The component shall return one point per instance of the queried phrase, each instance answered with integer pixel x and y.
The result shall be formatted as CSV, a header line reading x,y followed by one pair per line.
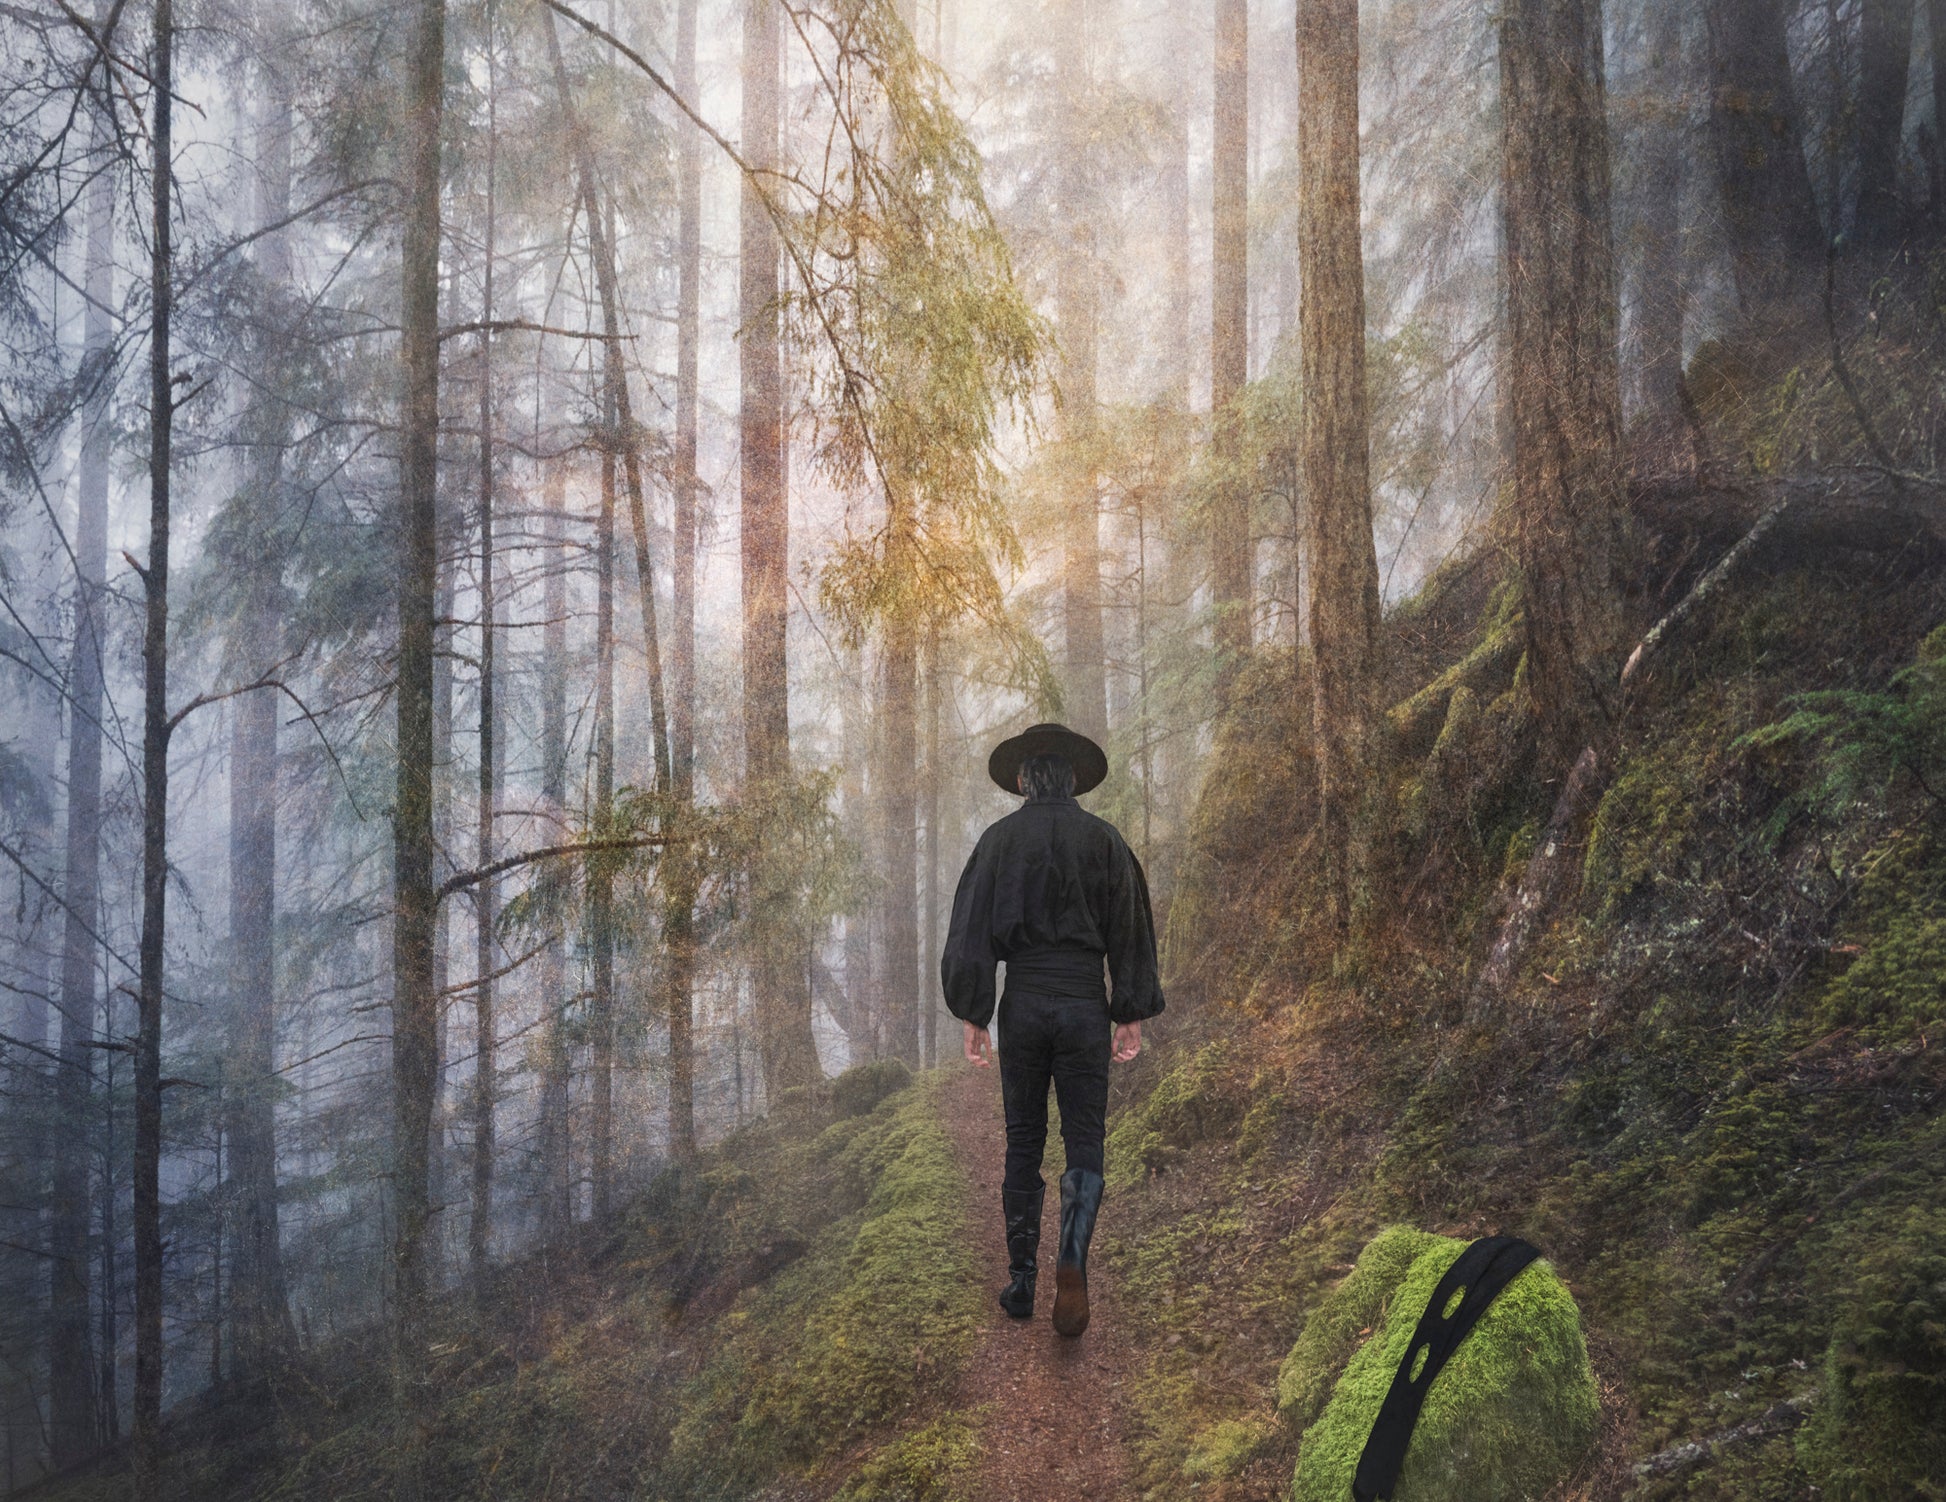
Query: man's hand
x,y
1128,1040
979,1046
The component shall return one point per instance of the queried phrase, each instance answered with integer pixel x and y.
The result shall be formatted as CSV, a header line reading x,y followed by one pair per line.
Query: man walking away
x,y
1057,894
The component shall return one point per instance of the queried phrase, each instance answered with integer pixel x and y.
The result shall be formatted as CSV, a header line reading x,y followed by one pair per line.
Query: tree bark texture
x,y
1768,212
479,1230
260,1306
678,919
1563,387
601,867
1231,571
1661,300
557,1200
415,1004
935,774
147,1456
71,1396
1333,439
901,808
1077,297
783,995
1885,56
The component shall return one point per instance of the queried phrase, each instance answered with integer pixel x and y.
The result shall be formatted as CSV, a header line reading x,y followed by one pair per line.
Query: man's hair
x,y
1047,777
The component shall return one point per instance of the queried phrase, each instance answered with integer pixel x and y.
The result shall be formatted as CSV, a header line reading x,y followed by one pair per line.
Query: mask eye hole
x,y
1452,1304
1419,1362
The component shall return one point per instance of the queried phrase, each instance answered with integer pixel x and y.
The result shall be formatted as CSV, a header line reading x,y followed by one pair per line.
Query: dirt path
x,y
1054,1431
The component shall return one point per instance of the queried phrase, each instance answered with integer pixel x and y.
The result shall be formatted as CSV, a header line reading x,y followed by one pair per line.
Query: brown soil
x,y
1053,1424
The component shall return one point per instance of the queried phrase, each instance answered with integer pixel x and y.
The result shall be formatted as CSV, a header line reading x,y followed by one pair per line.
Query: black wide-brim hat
x,y
1089,761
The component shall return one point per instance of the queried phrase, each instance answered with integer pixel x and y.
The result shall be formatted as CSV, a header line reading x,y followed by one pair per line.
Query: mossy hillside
x,y
869,1329
784,1306
931,1464
1510,1416
1714,1095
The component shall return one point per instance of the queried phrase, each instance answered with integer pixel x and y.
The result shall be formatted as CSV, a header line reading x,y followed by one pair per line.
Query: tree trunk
x,y
155,794
1333,443
479,1230
1885,58
601,868
1230,573
1077,297
678,918
788,1049
1563,387
1175,206
262,1331
860,988
415,1006
1661,291
557,1200
901,819
1936,30
71,1395
935,774
1769,217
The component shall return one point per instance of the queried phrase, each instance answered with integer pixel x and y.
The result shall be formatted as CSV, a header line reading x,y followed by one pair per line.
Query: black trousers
x,y
1066,1040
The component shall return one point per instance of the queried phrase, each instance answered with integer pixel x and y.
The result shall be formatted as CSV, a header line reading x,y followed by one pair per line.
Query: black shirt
x,y
1051,889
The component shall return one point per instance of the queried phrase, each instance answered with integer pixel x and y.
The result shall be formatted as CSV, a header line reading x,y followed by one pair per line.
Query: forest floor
x,y
1052,1416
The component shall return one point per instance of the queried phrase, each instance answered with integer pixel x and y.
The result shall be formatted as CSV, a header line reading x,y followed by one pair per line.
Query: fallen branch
x,y
1541,884
1779,1418
1704,588
460,880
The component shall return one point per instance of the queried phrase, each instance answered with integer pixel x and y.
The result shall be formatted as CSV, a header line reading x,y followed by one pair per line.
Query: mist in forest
x,y
521,521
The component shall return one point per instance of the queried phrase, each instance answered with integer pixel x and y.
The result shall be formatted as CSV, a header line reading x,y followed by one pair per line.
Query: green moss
x,y
1349,1313
927,1465
1226,1448
871,1325
1508,1418
1196,1101
863,1086
1894,985
1877,1430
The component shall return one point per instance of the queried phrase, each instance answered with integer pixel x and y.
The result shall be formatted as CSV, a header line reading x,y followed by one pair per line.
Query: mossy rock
x,y
1508,1418
860,1088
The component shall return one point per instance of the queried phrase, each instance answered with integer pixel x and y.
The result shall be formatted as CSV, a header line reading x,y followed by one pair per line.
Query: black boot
x,y
1080,1203
1023,1212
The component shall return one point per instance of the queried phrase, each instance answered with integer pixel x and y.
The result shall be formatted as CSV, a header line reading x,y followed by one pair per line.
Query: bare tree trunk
x,y
1768,212
557,1201
935,774
678,917
1885,58
788,1050
1661,295
1936,31
1563,387
156,727
262,1331
1077,297
1334,443
861,1006
1230,559
479,1231
901,817
601,870
71,1378
415,1006
1175,206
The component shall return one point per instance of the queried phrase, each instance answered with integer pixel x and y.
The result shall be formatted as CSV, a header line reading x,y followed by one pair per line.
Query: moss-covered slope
x,y
1711,1096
